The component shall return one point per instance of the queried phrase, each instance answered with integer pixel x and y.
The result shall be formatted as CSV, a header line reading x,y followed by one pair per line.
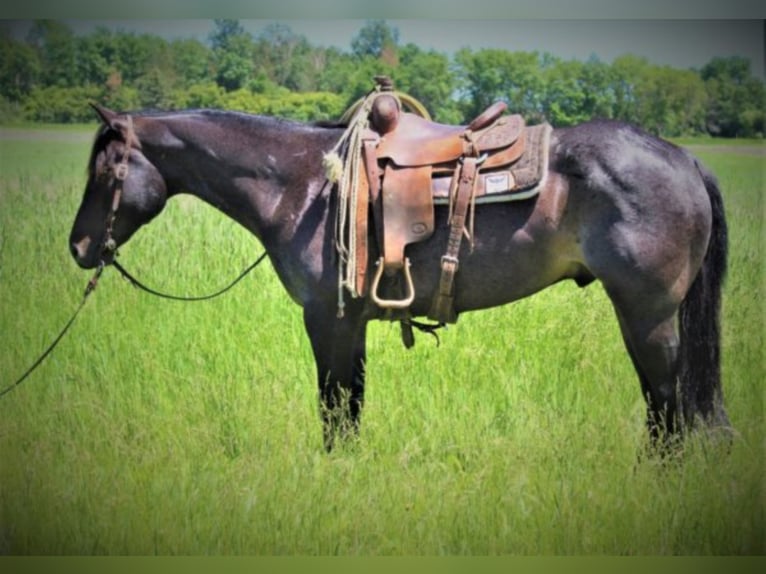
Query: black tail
x,y
700,323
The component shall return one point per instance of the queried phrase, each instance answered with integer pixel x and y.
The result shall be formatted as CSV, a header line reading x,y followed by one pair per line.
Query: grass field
x,y
169,428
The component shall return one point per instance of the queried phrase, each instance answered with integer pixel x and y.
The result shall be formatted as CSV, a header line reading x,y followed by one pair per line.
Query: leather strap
x,y
488,117
369,149
442,308
361,216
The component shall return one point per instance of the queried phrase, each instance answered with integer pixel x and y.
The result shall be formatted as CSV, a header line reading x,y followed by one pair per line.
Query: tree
x,y
489,75
563,98
285,58
224,31
341,75
51,72
155,90
736,98
232,54
598,95
95,57
192,62
426,76
19,69
56,48
378,40
629,75
676,102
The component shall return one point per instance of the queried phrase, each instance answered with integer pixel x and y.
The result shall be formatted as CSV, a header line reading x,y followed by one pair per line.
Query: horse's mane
x,y
246,117
105,135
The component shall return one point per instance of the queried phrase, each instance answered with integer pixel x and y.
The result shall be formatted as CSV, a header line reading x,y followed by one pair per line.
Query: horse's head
x,y
124,191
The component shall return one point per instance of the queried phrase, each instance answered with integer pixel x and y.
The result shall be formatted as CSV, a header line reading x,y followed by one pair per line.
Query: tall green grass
x,y
170,428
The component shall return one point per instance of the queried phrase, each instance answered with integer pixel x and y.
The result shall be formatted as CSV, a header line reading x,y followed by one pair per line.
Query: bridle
x,y
120,173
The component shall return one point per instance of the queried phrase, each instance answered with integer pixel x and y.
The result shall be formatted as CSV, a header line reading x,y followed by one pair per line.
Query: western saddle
x,y
407,161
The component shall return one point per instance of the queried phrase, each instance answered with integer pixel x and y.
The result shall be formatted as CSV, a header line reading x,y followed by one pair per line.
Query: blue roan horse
x,y
635,212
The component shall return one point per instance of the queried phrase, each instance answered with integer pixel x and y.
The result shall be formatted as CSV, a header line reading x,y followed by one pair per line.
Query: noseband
x,y
120,173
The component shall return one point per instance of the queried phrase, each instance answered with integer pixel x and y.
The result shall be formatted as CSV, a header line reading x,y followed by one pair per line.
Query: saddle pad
x,y
520,181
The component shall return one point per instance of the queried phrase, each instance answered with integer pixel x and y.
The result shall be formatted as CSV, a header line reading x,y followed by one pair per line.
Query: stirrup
x,y
393,303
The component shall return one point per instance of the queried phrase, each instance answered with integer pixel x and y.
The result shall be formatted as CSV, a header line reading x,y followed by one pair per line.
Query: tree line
x,y
52,73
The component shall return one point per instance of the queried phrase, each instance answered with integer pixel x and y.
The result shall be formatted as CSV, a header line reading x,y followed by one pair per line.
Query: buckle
x,y
121,171
449,259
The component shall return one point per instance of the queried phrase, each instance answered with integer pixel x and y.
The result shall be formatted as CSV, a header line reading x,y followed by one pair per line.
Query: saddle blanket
x,y
521,180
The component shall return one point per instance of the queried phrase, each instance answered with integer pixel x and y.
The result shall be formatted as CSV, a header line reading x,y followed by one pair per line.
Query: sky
x,y
675,42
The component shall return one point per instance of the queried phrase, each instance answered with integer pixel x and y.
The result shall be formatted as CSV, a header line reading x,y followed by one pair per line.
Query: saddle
x,y
411,163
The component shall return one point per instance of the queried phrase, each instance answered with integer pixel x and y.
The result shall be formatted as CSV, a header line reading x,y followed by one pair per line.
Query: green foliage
x,y
9,111
56,48
128,70
20,69
376,39
202,95
234,63
283,103
426,76
737,100
311,106
56,104
286,58
564,100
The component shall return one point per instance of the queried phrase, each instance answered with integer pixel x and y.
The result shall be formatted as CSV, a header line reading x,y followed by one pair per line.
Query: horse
x,y
632,211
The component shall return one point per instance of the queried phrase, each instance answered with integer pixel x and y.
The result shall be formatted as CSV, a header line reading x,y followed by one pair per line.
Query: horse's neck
x,y
241,168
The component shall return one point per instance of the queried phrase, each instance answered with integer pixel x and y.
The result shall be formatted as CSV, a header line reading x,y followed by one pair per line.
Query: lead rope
x,y
89,288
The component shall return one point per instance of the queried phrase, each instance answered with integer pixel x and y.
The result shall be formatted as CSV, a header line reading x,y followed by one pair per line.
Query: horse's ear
x,y
107,116
114,121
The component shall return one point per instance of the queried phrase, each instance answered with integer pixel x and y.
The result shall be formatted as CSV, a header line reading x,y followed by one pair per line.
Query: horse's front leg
x,y
340,354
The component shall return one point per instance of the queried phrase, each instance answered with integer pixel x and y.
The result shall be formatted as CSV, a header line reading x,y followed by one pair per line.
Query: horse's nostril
x,y
79,249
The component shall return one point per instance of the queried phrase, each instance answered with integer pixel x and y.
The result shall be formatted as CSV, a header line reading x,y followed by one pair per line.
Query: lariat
x,y
342,165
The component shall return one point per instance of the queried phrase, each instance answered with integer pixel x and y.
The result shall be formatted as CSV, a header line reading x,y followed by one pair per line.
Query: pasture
x,y
159,427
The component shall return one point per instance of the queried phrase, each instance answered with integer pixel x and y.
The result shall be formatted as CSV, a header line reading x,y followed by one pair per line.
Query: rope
x,y
136,283
90,287
342,166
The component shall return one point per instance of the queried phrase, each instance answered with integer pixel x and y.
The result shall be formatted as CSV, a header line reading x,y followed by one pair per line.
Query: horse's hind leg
x,y
652,343
339,347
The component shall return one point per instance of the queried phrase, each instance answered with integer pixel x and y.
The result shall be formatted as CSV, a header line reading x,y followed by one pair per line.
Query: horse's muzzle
x,y
87,255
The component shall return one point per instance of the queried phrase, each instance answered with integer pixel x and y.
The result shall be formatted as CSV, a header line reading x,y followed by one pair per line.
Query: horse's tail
x,y
700,323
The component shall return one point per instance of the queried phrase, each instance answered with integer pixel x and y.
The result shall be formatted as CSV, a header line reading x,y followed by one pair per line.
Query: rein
x,y
109,245
136,283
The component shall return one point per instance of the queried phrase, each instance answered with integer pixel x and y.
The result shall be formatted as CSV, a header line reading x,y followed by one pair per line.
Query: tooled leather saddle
x,y
412,163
